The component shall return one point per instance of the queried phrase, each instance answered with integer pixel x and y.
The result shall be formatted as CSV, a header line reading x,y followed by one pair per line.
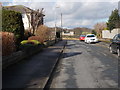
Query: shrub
x,y
8,43
28,45
34,42
27,34
24,42
43,32
38,38
12,22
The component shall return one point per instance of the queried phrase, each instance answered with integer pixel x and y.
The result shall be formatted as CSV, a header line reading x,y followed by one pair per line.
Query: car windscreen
x,y
118,36
91,36
82,35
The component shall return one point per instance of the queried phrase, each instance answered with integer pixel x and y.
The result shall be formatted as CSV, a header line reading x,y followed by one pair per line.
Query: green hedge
x,y
12,22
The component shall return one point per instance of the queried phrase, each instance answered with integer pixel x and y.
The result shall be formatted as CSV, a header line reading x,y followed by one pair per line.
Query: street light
x,y
61,26
61,23
55,24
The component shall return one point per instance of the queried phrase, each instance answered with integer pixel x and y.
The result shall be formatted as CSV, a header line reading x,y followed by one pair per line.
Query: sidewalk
x,y
33,72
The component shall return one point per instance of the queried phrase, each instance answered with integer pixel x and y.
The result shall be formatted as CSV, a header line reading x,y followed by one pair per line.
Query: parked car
x,y
115,45
82,37
91,38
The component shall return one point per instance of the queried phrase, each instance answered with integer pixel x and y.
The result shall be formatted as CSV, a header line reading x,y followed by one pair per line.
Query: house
x,y
68,32
110,35
27,14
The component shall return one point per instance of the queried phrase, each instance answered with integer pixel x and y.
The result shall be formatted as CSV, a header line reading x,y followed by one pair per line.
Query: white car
x,y
91,38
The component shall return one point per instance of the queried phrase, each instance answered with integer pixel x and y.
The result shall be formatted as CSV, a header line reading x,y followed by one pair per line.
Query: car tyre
x,y
118,52
88,42
110,48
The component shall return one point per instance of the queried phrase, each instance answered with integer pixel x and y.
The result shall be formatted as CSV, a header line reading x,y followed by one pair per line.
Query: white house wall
x,y
110,35
25,22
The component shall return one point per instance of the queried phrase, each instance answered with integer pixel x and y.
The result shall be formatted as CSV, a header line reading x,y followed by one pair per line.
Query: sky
x,y
74,13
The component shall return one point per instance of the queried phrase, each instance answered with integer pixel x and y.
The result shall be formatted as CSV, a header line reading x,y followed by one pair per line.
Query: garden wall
x,y
110,35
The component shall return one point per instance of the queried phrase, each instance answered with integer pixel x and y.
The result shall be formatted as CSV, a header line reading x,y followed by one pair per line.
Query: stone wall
x,y
24,53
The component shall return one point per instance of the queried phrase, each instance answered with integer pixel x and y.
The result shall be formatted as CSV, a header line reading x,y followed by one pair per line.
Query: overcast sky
x,y
74,14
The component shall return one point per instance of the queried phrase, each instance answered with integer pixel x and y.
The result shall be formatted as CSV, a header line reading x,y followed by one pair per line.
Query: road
x,y
86,66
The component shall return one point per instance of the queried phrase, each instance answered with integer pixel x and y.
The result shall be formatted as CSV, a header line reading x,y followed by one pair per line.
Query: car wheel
x,y
86,41
110,48
118,52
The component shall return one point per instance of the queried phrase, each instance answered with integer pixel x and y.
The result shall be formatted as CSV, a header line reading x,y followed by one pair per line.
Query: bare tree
x,y
35,18
99,27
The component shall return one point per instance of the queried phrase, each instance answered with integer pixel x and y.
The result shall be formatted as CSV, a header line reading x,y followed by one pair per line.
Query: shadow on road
x,y
70,54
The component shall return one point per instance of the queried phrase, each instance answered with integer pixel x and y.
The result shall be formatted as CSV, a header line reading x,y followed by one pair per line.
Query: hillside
x,y
78,31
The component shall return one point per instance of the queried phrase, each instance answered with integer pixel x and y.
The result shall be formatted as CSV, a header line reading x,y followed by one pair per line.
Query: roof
x,y
20,8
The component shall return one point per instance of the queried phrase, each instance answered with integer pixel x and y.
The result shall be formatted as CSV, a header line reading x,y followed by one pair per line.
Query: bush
x,y
28,45
24,42
38,38
8,43
27,34
12,22
34,42
43,32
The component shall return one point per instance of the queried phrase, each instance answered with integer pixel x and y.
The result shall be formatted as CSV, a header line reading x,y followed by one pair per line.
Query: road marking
x,y
104,54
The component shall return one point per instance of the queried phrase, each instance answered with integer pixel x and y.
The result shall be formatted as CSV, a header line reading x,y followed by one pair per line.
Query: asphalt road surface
x,y
86,66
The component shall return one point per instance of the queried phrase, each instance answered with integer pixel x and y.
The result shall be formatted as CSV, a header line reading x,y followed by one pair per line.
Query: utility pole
x,y
61,26
55,23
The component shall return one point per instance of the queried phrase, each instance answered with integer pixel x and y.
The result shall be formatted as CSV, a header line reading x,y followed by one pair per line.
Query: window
x,y
118,37
82,35
91,36
115,37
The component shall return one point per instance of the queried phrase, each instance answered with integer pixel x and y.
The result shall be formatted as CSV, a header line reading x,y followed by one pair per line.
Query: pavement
x,y
34,71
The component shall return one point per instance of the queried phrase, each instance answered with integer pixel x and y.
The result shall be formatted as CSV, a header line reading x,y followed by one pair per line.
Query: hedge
x,y
8,43
34,42
12,22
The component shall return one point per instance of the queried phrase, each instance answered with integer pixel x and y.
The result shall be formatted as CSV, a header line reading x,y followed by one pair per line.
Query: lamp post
x,y
61,15
61,26
55,24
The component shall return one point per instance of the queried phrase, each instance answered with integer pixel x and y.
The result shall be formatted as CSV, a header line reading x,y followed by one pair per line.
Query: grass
x,y
105,40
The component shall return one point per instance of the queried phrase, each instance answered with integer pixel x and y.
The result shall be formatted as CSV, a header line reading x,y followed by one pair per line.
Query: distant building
x,y
68,33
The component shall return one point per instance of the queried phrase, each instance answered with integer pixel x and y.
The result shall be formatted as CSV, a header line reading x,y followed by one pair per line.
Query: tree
x,y
114,20
44,32
35,19
99,27
94,32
